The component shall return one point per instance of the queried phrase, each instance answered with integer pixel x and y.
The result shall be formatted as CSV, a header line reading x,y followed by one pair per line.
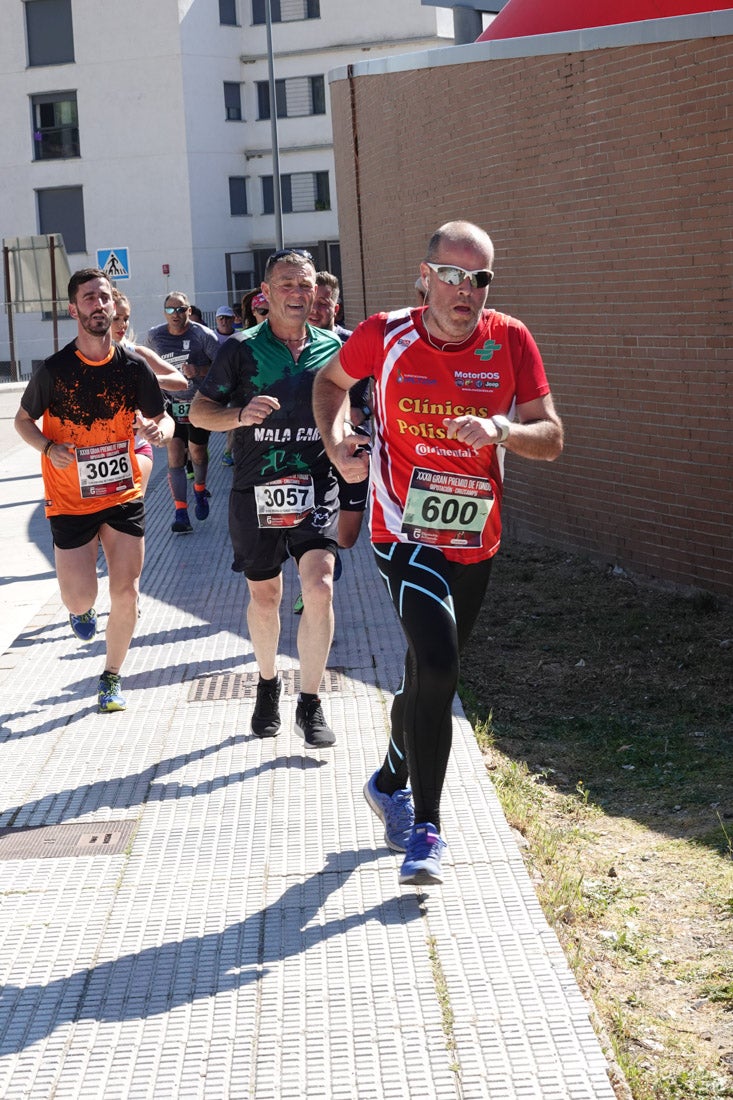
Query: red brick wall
x,y
604,179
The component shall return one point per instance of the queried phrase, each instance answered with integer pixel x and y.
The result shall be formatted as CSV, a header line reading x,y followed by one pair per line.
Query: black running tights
x,y
437,602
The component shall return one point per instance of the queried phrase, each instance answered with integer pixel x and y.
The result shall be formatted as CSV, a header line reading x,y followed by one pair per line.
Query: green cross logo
x,y
487,351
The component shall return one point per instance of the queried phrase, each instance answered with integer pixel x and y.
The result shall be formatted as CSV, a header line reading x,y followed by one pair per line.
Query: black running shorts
x,y
70,531
259,552
189,433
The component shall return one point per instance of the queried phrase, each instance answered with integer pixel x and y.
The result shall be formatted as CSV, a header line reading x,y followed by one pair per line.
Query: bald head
x,y
461,233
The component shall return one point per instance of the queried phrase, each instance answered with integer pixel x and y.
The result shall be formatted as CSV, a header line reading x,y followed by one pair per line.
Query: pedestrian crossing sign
x,y
114,262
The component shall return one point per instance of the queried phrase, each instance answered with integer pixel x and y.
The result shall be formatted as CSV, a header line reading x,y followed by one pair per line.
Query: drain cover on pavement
x,y
243,685
95,838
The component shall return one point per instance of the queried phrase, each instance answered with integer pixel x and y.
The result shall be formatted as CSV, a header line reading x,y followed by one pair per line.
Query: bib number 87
x,y
107,469
437,511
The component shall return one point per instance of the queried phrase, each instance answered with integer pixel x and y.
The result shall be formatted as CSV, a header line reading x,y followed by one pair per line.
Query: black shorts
x,y
189,433
70,531
259,552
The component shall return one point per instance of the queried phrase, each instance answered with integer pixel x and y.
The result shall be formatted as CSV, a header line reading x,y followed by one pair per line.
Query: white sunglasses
x,y
454,276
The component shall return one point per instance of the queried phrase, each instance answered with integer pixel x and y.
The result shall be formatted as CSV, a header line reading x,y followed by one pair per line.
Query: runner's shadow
x,y
52,724
159,979
125,791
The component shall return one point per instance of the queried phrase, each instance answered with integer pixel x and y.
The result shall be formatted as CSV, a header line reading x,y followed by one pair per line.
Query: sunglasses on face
x,y
454,276
261,312
289,252
177,309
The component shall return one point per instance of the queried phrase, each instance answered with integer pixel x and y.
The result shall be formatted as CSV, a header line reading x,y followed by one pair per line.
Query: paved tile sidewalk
x,y
229,923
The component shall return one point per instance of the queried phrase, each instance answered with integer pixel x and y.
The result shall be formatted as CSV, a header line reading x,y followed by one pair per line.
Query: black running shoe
x,y
266,716
311,725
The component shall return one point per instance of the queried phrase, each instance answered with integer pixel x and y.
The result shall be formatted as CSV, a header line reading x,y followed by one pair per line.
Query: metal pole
x,y
54,295
14,366
276,192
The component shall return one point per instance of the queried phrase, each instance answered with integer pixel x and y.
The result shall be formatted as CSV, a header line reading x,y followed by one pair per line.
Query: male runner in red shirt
x,y
455,385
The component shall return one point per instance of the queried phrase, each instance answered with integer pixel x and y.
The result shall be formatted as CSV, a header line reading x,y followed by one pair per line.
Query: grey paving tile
x,y
253,941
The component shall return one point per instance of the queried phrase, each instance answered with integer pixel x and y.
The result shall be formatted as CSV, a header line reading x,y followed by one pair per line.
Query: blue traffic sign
x,y
114,262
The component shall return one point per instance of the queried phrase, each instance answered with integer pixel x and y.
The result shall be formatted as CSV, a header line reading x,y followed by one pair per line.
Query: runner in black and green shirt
x,y
284,499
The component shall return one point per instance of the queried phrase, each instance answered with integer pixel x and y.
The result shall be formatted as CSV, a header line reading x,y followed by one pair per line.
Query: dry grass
x,y
603,706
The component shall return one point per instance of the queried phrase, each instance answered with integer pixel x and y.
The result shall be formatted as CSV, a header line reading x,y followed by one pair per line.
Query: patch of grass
x,y
602,706
689,1085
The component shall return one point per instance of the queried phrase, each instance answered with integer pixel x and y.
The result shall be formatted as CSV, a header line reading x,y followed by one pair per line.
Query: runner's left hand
x,y
472,430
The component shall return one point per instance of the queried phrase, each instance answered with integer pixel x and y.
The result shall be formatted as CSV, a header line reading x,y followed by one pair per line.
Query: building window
x,y
285,11
301,191
238,196
49,32
243,281
263,99
295,97
233,101
55,126
61,210
228,13
268,196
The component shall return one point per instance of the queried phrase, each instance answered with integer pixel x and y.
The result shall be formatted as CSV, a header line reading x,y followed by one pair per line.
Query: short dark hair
x,y
84,275
175,294
326,278
296,256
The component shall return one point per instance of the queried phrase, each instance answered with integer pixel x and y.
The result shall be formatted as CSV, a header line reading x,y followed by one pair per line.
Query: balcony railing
x,y
56,143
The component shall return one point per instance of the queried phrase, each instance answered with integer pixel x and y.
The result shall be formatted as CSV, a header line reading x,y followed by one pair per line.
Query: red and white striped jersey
x,y
427,488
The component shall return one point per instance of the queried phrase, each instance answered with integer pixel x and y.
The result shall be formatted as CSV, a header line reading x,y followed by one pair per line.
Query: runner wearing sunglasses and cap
x,y
456,384
190,347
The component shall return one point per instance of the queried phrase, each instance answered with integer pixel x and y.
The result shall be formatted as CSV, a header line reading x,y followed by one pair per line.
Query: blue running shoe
x,y
396,811
109,695
181,524
421,865
84,626
202,503
227,459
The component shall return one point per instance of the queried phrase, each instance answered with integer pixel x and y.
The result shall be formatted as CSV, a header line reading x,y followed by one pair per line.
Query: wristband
x,y
502,425
239,418
47,448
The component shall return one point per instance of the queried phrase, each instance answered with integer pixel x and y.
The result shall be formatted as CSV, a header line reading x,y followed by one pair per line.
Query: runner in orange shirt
x,y
91,397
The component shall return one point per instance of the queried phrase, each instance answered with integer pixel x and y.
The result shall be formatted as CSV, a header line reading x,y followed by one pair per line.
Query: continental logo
x,y
424,449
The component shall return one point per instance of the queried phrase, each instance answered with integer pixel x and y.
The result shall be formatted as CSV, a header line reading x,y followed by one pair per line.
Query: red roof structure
x,y
523,17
